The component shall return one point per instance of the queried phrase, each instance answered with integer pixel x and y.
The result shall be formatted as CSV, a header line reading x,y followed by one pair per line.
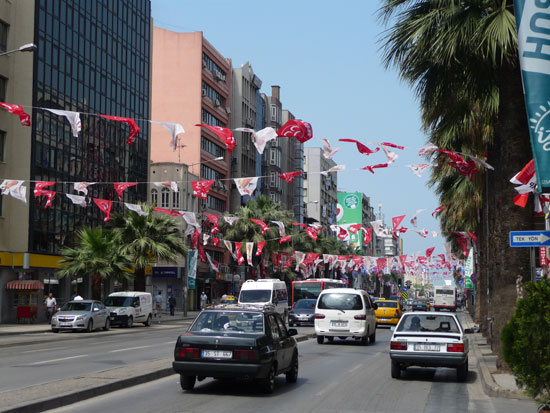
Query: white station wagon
x,y
426,339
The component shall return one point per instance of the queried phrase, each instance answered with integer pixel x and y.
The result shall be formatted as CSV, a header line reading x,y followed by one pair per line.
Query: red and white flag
x,y
246,186
213,263
418,169
229,247
24,118
134,129
261,245
329,151
414,219
225,135
371,168
360,147
289,176
285,239
249,249
50,195
354,228
439,209
120,187
215,221
429,252
429,147
260,138
173,185
390,155
392,145
240,258
337,168
296,129
262,224
105,207
367,235
201,188
230,220
396,221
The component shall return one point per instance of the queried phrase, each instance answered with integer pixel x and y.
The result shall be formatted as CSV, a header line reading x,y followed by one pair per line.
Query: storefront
x,y
26,298
168,280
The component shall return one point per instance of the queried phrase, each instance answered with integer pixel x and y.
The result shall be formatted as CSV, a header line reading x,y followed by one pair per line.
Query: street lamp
x,y
29,47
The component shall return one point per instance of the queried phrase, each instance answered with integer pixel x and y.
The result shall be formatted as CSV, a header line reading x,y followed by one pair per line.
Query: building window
x,y
274,112
211,147
209,173
216,70
3,87
3,36
154,197
175,200
209,91
275,157
2,144
164,198
273,179
210,119
216,204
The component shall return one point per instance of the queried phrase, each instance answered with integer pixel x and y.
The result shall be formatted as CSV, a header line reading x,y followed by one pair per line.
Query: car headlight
x,y
81,317
54,318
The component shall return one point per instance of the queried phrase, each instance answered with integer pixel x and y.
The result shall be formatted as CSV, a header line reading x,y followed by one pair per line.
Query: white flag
x,y
82,187
73,117
429,147
246,185
230,220
136,208
77,200
390,155
190,218
229,246
175,129
14,189
213,264
249,249
414,219
418,169
329,151
281,226
173,185
336,168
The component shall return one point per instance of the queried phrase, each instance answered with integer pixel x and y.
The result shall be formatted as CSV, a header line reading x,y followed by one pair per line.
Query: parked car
x,y
237,341
127,307
388,312
303,312
429,340
345,312
419,305
228,299
84,315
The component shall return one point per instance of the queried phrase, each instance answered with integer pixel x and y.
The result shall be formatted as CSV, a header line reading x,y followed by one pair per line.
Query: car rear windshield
x,y
428,323
305,304
255,296
387,304
340,301
229,322
72,306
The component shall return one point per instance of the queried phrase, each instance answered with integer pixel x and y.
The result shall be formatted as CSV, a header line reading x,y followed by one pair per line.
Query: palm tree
x,y
461,57
147,237
95,255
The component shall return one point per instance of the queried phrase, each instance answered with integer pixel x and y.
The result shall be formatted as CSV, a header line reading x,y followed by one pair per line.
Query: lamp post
x,y
29,47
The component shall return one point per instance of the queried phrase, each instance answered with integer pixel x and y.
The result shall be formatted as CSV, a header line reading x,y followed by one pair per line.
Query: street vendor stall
x,y
27,296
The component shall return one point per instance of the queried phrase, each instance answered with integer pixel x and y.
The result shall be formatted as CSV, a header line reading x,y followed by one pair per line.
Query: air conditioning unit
x,y
204,92
217,102
228,110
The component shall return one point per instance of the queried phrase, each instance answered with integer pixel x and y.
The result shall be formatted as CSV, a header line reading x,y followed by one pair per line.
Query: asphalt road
x,y
342,376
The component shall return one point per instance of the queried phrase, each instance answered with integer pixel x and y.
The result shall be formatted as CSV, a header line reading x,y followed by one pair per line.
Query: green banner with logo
x,y
191,269
349,212
532,19
469,270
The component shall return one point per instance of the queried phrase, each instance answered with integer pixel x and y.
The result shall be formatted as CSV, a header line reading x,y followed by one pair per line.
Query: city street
x,y
342,376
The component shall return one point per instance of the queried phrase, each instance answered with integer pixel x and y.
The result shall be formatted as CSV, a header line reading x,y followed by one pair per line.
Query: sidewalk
x,y
495,384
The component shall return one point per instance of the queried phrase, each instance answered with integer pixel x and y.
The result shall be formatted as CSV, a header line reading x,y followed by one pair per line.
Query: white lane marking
x,y
44,349
355,368
129,348
51,361
103,342
169,342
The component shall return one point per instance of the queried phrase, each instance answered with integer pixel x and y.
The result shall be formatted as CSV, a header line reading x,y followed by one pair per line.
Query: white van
x,y
265,291
129,307
345,312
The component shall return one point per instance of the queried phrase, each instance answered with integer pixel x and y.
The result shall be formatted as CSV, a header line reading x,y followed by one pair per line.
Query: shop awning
x,y
24,285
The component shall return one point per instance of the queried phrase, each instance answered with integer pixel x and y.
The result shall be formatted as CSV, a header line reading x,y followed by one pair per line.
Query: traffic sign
x,y
404,289
399,294
405,295
529,238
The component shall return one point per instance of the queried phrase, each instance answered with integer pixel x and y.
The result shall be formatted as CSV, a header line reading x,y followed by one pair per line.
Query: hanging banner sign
x,y
191,269
532,18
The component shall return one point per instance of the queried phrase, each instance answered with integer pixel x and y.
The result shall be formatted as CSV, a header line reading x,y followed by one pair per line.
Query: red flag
x,y
343,234
202,253
170,212
396,221
297,129
226,135
429,252
214,220
24,118
48,194
360,147
262,224
354,229
521,199
463,244
371,168
105,207
289,176
215,241
524,176
260,248
439,209
240,258
121,186
392,145
381,264
311,233
38,186
195,239
403,259
367,234
134,129
473,236
465,168
285,239
402,230
298,224
201,188
453,155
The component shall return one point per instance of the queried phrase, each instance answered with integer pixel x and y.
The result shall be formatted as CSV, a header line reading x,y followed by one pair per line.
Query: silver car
x,y
84,315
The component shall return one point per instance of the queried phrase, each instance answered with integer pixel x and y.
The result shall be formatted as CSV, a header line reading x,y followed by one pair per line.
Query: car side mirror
x,y
292,332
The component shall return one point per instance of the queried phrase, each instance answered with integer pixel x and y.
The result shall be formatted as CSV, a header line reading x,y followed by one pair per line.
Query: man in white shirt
x,y
51,306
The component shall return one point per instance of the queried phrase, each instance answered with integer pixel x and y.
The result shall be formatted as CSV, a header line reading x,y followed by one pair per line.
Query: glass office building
x,y
92,57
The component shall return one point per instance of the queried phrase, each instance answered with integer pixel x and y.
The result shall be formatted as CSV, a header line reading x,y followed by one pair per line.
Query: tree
x,y
146,237
96,255
461,57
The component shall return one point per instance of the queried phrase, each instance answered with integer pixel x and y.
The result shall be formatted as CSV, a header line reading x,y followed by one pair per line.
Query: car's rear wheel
x,y
268,384
395,370
320,339
107,326
149,320
130,322
90,326
292,374
365,339
55,330
372,337
187,382
462,371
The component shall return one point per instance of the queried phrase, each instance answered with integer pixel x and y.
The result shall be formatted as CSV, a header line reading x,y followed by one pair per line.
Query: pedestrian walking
x,y
50,305
172,304
158,304
204,299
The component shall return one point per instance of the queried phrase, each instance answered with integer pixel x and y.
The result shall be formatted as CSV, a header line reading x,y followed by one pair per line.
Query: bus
x,y
312,288
445,298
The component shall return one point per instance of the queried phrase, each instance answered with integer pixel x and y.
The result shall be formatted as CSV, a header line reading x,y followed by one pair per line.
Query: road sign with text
x,y
529,239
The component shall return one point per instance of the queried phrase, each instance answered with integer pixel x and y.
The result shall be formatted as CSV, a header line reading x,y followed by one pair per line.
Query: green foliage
x,y
526,341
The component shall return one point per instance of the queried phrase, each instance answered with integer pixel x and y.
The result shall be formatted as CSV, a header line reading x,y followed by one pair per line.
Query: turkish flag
x,y
24,118
297,129
396,221
201,188
360,147
260,248
121,186
262,224
289,176
240,258
214,220
105,207
226,135
134,129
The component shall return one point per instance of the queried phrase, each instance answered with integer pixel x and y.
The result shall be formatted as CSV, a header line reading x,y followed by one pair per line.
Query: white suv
x,y
345,312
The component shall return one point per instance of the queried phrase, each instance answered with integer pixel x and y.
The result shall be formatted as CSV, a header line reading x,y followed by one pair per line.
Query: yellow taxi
x,y
228,299
388,312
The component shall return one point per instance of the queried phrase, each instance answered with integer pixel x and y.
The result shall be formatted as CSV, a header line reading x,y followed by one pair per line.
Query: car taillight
x,y
189,353
250,355
319,316
360,317
398,345
455,348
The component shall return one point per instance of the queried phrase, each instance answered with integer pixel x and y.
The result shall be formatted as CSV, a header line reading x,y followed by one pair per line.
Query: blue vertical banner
x,y
533,24
191,269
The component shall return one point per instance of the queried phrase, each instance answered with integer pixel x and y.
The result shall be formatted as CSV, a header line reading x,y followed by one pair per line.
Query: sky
x,y
326,58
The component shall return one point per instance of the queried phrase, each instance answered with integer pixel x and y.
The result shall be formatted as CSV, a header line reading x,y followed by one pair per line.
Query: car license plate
x,y
339,323
426,347
65,324
216,354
